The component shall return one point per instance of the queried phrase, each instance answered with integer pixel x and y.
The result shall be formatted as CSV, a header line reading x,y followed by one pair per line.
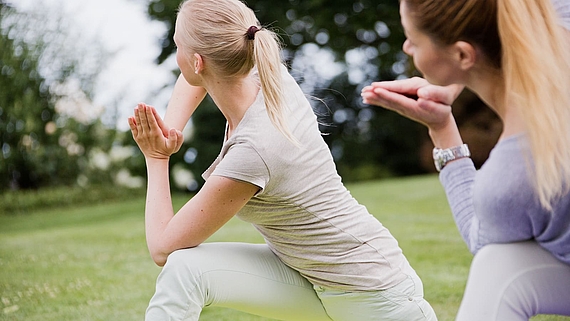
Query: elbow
x,y
160,252
159,261
474,248
159,257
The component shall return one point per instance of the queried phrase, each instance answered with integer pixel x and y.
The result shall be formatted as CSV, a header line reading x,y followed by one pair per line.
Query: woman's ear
x,y
465,54
198,64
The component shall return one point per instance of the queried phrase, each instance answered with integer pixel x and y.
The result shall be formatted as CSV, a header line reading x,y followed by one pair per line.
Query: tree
x,y
42,143
363,39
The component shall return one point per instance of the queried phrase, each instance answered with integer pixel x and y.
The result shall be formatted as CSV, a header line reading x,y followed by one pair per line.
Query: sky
x,y
130,75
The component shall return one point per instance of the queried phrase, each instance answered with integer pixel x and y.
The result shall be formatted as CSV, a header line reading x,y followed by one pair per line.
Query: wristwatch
x,y
443,156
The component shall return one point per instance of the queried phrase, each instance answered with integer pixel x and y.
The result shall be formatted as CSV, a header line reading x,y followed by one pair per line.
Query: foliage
x,y
363,40
27,201
91,263
51,134
339,25
49,130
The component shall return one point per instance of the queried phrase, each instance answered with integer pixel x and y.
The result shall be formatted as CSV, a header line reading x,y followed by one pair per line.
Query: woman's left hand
x,y
151,134
413,98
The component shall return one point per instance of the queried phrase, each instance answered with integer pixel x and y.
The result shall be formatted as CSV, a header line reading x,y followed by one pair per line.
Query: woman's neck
x,y
489,85
233,97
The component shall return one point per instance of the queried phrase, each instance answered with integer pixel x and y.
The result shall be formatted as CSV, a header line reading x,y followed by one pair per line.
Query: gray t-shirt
x,y
498,204
304,212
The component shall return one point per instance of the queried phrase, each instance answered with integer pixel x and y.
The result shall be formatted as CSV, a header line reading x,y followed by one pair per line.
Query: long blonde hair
x,y
522,38
536,66
218,31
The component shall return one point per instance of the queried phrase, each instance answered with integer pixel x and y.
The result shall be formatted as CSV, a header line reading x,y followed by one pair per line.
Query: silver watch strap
x,y
443,156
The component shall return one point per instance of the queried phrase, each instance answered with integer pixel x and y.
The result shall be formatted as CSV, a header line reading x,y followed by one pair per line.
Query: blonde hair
x,y
536,67
524,40
218,31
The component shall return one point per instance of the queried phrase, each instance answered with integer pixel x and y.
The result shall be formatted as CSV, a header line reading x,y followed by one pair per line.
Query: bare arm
x,y
216,203
219,199
184,101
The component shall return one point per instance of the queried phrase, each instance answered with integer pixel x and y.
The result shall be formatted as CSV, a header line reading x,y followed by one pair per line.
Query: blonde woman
x,y
514,212
325,257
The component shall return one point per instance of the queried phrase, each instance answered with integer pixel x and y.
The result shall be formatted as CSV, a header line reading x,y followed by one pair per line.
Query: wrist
x,y
446,135
151,161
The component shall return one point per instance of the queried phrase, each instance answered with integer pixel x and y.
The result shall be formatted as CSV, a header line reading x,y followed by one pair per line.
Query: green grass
x,y
91,262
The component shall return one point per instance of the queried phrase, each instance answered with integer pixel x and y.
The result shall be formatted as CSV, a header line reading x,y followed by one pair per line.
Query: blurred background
x,y
71,73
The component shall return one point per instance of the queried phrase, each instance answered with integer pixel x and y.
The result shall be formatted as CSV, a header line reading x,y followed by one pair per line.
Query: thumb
x,y
172,140
175,140
444,95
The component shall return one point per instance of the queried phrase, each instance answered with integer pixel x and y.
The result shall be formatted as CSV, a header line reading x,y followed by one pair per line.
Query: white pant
x,y
250,278
513,282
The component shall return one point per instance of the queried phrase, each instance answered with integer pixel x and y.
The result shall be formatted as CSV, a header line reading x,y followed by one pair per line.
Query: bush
x,y
24,201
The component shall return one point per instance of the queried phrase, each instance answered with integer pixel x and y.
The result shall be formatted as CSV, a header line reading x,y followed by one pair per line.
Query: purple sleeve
x,y
563,9
496,203
458,180
499,204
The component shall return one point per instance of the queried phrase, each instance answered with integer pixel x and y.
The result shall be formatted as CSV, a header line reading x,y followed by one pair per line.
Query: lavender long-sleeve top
x,y
563,9
498,204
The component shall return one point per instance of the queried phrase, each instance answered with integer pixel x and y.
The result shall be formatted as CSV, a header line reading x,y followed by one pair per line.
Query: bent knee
x,y
490,253
196,260
512,255
181,265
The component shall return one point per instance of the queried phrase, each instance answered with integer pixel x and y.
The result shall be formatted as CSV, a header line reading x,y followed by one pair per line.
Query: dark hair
x,y
449,21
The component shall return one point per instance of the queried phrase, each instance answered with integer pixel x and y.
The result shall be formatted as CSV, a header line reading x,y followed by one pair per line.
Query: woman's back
x,y
307,216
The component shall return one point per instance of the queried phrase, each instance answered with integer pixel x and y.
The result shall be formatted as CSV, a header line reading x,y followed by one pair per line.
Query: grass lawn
x,y
91,262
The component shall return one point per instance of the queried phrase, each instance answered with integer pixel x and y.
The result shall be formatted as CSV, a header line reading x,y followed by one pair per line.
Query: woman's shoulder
x,y
507,161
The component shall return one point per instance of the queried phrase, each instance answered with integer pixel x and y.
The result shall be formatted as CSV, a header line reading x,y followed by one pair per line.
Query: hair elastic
x,y
250,34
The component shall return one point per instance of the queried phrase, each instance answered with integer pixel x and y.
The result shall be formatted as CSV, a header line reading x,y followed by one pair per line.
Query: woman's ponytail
x,y
266,54
536,67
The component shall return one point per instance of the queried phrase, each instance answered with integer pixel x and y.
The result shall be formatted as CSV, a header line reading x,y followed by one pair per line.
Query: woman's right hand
x,y
414,98
155,140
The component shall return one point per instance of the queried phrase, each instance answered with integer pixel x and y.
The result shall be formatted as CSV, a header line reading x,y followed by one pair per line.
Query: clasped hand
x,y
414,98
152,135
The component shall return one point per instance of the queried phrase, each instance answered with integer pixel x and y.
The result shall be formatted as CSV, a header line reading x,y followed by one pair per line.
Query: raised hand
x,y
151,134
414,98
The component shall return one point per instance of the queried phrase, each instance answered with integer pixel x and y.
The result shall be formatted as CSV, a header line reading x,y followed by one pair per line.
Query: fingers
x,y
384,93
432,106
388,99
151,135
160,123
408,86
145,119
133,126
445,95
149,116
132,123
395,95
141,121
